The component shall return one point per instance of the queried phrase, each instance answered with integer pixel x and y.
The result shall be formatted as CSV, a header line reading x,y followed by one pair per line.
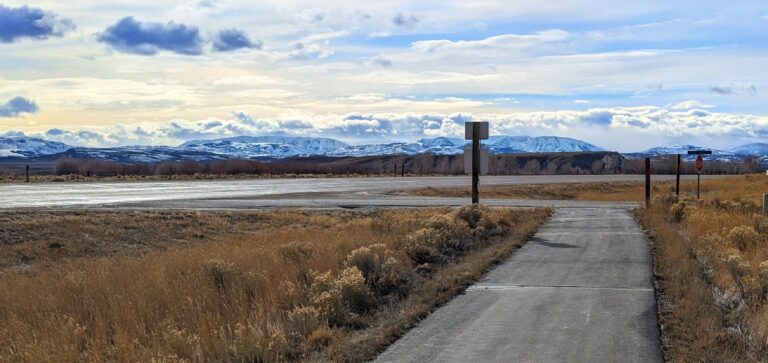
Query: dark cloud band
x,y
18,106
28,22
146,38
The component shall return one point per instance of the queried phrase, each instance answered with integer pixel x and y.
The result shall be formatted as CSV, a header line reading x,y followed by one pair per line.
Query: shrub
x,y
354,291
369,260
677,212
738,268
475,216
761,225
743,237
297,252
421,254
383,273
221,273
763,277
339,298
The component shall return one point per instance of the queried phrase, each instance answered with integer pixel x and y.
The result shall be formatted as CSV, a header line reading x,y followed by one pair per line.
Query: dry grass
x,y
711,261
336,288
615,191
745,187
31,238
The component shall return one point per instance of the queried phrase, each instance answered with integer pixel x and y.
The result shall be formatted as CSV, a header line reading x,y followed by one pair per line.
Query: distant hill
x,y
721,155
278,147
283,147
29,147
757,149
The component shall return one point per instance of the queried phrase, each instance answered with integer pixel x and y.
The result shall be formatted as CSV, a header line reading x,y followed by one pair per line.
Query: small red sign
x,y
699,164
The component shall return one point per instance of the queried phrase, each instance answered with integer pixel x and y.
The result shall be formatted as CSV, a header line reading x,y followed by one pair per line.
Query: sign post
x,y
647,182
699,167
476,131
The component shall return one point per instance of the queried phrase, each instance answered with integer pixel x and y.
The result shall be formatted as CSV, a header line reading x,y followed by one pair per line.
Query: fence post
x,y
677,179
402,171
27,173
647,182
394,171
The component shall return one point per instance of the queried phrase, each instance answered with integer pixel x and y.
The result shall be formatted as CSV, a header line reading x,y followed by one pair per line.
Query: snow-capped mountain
x,y
139,154
541,144
683,149
495,145
29,147
439,146
758,148
279,147
248,147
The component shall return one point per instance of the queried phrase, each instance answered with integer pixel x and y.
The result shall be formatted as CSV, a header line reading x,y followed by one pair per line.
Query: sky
x,y
625,76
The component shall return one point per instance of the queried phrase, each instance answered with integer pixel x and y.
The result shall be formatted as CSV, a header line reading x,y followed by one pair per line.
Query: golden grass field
x,y
599,191
711,265
237,286
619,191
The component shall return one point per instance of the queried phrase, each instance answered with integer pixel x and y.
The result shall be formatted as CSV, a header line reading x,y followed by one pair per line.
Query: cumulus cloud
x,y
147,38
233,39
28,22
621,128
17,106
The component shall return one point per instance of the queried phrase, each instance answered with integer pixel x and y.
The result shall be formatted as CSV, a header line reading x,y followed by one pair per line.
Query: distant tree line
x,y
667,164
422,164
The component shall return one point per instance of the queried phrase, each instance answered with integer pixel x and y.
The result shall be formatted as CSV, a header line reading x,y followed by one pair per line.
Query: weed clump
x,y
677,212
743,237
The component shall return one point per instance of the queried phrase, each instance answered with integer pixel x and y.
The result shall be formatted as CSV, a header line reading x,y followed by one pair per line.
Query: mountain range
x,y
280,147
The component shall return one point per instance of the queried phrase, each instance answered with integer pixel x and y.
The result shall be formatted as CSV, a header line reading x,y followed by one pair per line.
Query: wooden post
x,y
647,182
170,173
698,186
27,173
394,171
402,171
476,163
677,179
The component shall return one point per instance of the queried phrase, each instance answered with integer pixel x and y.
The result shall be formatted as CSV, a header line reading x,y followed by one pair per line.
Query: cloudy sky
x,y
621,75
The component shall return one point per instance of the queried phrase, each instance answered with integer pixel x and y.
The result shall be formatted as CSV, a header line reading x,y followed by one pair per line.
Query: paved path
x,y
73,194
580,291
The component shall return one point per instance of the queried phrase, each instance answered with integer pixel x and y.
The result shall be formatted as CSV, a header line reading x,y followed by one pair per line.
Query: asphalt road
x,y
170,193
580,291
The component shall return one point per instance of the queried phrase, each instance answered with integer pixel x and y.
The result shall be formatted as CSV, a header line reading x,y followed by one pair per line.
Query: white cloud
x,y
495,42
622,128
688,105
